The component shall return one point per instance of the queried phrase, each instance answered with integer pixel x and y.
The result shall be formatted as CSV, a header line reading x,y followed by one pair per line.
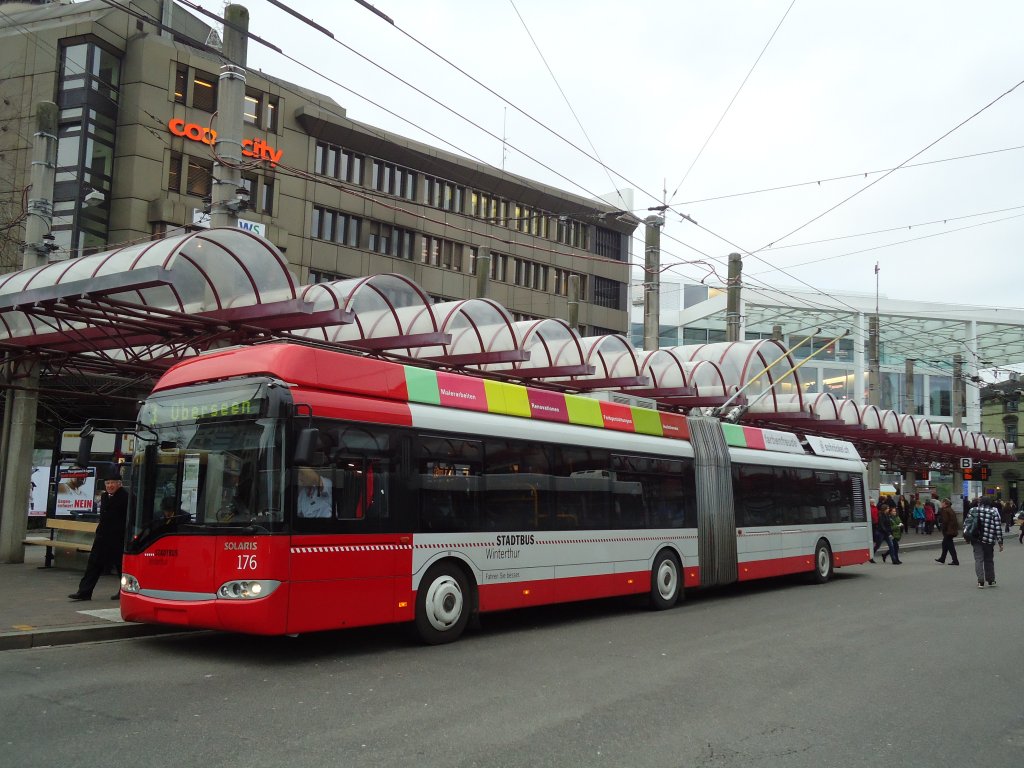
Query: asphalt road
x,y
887,665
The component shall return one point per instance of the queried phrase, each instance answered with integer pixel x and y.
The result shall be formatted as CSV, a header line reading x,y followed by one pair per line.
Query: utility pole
x,y
908,398
574,302
229,196
483,273
652,281
20,421
874,364
957,406
732,298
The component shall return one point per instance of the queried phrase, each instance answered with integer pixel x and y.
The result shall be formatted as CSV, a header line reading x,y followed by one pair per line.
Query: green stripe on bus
x,y
734,435
583,410
510,399
646,422
422,385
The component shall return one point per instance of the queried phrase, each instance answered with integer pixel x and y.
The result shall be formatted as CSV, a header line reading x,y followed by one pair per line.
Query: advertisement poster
x,y
76,491
39,489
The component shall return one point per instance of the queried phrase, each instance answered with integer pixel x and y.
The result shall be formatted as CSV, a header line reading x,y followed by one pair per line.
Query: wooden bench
x,y
70,535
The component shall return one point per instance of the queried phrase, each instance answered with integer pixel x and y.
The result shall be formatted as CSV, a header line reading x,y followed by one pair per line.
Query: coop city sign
x,y
257,148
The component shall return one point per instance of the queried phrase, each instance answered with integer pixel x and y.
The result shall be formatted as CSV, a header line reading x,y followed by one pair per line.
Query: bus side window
x,y
447,477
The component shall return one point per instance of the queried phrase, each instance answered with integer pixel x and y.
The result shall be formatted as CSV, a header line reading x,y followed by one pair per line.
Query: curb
x,y
40,638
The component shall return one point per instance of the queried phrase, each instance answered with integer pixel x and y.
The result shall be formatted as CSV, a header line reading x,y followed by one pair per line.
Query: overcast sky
x,y
843,89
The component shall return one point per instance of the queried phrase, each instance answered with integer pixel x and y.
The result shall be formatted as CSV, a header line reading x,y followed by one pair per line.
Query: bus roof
x,y
329,370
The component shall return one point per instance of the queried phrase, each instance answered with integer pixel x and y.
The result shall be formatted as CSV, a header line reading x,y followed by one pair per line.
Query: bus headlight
x,y
129,583
246,589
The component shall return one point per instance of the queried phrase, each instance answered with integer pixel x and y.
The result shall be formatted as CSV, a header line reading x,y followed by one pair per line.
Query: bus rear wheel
x,y
442,605
666,581
823,569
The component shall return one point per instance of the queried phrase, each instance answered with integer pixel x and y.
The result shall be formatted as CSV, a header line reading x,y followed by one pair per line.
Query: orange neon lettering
x,y
250,147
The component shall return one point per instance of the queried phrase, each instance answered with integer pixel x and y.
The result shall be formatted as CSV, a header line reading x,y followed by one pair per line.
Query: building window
x,y
608,293
940,396
200,177
338,163
499,267
438,252
180,83
389,240
261,193
260,110
204,91
87,96
393,179
608,243
319,276
530,274
335,226
561,283
443,194
266,199
174,176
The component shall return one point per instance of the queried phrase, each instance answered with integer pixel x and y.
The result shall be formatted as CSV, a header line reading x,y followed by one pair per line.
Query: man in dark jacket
x,y
108,546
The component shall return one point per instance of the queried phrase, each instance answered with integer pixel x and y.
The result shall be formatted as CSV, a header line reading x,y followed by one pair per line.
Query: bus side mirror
x,y
84,450
307,446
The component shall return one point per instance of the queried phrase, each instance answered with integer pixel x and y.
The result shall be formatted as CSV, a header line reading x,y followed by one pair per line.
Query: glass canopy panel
x,y
475,325
665,368
611,355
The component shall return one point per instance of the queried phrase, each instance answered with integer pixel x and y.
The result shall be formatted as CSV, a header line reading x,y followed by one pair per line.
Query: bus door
x,y
716,513
347,554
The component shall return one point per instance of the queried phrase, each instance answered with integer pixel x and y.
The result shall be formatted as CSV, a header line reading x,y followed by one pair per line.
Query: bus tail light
x,y
247,589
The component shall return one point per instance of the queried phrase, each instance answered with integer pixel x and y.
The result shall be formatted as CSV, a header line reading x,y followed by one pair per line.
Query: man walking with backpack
x,y
983,528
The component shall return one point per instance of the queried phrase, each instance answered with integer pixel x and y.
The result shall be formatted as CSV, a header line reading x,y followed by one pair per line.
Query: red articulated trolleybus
x,y
285,488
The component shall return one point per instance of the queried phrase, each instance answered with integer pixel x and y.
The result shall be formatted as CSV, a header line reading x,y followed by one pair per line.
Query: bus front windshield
x,y
210,461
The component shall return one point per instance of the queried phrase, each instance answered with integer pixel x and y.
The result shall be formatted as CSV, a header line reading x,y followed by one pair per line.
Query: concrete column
x,y
574,302
652,281
483,272
227,174
732,298
858,360
20,426
17,485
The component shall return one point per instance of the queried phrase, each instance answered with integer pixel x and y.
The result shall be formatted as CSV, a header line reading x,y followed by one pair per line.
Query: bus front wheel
x,y
666,581
822,562
442,605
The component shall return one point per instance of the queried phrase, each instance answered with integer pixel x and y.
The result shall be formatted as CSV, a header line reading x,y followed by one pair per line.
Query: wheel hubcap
x,y
444,603
667,580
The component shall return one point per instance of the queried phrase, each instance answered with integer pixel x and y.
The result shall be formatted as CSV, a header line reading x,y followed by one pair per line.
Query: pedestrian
x,y
1020,522
929,516
918,515
892,529
1008,509
108,544
949,529
988,533
903,508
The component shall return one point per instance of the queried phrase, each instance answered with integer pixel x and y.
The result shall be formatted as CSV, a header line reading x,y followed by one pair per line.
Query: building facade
x,y
924,340
340,198
1000,408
